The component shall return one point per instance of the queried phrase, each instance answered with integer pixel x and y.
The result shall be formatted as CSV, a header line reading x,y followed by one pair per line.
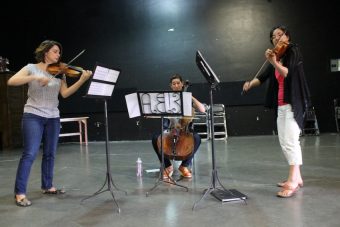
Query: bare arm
x,y
198,105
66,91
250,84
23,77
271,57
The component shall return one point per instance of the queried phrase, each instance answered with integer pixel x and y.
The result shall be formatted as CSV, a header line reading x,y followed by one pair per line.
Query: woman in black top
x,y
288,94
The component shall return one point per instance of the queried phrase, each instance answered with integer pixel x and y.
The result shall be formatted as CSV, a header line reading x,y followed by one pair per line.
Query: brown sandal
x,y
283,183
288,191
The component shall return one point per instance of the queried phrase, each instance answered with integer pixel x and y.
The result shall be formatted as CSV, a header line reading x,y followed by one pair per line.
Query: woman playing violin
x,y
288,94
176,84
41,120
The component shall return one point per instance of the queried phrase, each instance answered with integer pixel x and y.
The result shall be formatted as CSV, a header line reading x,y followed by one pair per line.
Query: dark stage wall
x,y
150,40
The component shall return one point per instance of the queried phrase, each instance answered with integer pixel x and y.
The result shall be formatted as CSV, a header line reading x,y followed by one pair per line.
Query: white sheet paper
x,y
100,89
132,105
105,74
187,104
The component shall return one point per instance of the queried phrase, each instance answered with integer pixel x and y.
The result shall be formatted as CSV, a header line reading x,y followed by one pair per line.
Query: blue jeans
x,y
37,130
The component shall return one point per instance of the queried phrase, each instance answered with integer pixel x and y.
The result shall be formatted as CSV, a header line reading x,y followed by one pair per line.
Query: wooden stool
x,y
81,121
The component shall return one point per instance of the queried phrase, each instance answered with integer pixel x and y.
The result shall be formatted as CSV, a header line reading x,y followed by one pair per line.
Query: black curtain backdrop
x,y
150,40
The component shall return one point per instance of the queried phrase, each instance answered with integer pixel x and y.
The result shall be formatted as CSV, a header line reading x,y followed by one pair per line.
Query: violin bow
x,y
81,52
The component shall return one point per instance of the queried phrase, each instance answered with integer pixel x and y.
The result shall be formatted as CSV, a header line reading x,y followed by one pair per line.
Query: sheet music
x,y
106,74
100,89
159,103
102,82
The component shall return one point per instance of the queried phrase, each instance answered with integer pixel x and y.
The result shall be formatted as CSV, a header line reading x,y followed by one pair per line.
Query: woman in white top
x,y
41,120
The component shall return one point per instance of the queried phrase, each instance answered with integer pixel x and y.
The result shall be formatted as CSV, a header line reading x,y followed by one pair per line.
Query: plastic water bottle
x,y
139,168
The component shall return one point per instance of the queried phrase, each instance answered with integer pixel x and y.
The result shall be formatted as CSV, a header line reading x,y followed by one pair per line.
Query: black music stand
x,y
101,87
222,193
160,104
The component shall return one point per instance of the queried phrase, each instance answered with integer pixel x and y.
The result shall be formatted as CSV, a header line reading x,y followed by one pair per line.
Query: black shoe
x,y
24,202
54,192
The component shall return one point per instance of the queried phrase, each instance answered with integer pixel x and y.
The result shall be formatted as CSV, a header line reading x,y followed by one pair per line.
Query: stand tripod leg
x,y
219,182
97,192
108,179
160,176
109,183
154,187
169,181
207,191
222,193
115,187
174,182
110,189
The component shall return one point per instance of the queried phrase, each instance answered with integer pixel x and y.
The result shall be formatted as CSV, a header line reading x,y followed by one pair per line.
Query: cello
x,y
178,141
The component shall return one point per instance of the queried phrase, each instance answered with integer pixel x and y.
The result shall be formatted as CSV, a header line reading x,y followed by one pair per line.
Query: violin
x,y
63,68
178,143
280,49
66,69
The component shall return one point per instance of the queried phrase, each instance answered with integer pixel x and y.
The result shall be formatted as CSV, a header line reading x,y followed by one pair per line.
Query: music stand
x,y
160,104
222,193
101,87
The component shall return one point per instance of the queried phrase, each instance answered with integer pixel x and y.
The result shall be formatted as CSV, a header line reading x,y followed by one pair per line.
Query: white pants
x,y
289,135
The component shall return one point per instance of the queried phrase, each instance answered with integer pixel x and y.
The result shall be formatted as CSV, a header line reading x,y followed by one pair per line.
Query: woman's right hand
x,y
246,86
43,81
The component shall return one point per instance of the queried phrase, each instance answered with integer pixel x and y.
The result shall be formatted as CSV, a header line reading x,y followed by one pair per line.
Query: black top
x,y
296,90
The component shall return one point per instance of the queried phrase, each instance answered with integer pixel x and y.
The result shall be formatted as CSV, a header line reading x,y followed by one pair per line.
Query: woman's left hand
x,y
86,75
270,55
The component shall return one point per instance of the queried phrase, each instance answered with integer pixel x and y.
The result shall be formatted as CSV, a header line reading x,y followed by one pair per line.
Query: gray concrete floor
x,y
252,165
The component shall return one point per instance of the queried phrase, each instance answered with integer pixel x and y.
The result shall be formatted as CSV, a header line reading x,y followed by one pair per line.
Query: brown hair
x,y
44,47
